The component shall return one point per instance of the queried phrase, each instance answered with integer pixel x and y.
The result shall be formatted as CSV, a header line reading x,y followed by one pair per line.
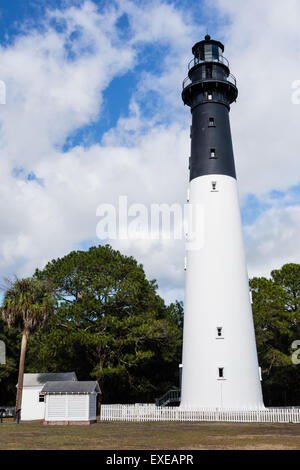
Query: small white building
x,y
71,402
33,405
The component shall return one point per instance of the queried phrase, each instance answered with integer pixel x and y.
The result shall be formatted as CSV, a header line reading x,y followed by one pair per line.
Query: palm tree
x,y
27,305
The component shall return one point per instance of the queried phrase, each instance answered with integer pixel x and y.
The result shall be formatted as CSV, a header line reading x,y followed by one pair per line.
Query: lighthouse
x,y
219,364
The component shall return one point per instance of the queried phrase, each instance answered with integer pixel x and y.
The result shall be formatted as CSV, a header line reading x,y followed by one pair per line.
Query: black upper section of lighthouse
x,y
209,90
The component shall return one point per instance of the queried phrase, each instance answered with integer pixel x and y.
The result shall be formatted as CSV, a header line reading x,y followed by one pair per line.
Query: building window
x,y
220,332
41,397
211,122
209,72
212,153
221,372
215,52
208,52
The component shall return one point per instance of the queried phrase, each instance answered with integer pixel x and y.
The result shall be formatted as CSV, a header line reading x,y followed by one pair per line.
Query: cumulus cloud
x,y
274,240
56,75
262,43
55,79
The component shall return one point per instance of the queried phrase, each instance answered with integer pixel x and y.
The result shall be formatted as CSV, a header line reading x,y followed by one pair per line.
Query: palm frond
x,y
27,303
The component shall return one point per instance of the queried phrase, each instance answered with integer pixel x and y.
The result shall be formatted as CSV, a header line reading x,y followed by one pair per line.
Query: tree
x,y
272,323
277,326
110,324
9,371
27,306
288,278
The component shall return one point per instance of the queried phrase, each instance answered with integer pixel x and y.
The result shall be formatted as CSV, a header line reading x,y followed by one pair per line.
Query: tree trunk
x,y
21,374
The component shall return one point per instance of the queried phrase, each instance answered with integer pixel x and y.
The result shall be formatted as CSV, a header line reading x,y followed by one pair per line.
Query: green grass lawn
x,y
152,436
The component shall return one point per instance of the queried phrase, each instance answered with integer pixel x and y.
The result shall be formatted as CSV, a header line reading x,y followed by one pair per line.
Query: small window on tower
x,y
212,153
41,397
220,331
211,122
221,372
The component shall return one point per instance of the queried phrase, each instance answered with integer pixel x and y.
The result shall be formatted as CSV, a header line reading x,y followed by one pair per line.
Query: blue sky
x,y
17,14
94,111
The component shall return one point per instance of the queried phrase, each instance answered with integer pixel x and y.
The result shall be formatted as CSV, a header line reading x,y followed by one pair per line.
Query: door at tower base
x,y
220,367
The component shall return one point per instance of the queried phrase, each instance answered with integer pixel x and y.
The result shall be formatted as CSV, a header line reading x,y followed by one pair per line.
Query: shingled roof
x,y
33,380
71,387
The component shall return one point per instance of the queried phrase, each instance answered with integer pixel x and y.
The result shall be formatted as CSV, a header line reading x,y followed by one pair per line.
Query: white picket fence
x,y
149,412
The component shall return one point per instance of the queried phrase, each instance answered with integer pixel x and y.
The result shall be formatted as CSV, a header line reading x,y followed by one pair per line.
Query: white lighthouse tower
x,y
220,367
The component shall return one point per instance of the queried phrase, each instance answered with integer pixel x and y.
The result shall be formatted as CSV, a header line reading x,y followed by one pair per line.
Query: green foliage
x,y
110,325
272,322
276,319
288,277
27,304
9,371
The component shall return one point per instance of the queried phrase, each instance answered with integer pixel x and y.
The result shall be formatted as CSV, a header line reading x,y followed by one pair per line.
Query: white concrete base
x,y
217,296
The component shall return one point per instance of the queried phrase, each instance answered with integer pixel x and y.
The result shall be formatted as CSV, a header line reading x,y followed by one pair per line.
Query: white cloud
x,y
55,86
263,45
55,81
274,241
49,93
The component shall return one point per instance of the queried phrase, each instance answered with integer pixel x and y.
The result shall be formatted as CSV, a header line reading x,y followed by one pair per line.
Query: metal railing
x,y
172,396
187,81
145,412
197,61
